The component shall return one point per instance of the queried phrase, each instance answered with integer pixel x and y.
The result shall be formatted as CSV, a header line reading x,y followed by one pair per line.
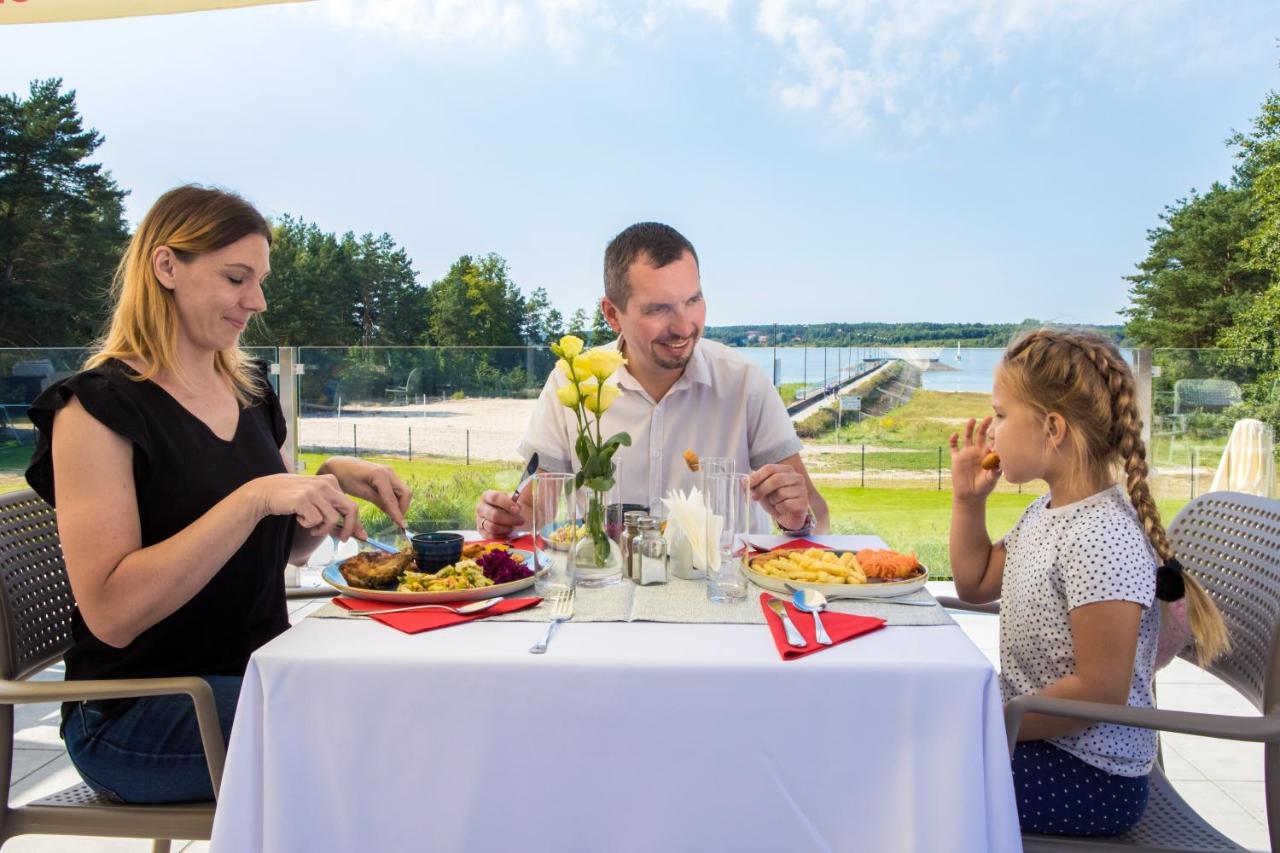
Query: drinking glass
x,y
728,523
553,510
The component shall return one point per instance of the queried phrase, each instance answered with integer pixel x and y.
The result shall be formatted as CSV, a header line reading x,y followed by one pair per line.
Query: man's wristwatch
x,y
805,527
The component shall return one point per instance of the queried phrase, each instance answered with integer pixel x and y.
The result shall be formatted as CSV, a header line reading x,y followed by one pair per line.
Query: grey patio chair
x,y
35,631
412,387
1231,543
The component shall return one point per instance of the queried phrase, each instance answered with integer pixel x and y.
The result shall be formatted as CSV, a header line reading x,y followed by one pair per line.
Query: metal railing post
x,y
288,394
1143,373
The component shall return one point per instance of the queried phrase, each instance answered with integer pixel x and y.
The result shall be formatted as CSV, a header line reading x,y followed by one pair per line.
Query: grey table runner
x,y
682,601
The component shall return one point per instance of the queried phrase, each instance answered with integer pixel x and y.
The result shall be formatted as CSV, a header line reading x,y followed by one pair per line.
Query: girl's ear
x,y
1055,429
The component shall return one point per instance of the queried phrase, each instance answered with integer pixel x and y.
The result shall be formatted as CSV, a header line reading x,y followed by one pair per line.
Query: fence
x,y
467,406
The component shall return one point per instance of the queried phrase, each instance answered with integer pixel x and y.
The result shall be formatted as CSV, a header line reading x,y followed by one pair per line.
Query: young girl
x,y
1076,577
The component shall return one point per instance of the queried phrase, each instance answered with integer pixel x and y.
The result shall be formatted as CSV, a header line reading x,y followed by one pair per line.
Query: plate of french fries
x,y
872,572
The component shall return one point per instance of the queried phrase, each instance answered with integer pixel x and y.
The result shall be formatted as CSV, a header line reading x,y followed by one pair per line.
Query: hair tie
x,y
1169,583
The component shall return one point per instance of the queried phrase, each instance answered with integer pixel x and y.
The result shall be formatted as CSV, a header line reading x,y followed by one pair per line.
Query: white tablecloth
x,y
351,736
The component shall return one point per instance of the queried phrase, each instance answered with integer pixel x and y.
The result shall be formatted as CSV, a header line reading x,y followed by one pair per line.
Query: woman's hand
x,y
969,480
317,502
377,484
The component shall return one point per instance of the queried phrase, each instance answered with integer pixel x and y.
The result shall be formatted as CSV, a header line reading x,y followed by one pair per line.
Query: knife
x,y
793,634
529,471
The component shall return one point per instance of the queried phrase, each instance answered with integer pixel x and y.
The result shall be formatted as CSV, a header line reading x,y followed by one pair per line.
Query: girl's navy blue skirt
x,y
1058,794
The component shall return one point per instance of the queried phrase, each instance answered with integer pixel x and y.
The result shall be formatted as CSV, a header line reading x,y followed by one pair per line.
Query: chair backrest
x,y
1231,543
35,596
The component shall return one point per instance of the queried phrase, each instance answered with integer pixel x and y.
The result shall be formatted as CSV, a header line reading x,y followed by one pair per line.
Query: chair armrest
x,y
1264,729
950,601
215,751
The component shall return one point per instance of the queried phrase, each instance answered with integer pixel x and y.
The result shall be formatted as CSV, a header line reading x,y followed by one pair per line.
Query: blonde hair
x,y
191,220
1083,377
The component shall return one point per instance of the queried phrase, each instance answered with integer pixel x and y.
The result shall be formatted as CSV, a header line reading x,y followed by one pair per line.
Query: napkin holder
x,y
685,511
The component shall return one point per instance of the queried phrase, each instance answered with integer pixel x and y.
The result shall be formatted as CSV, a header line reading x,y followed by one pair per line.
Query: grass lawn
x,y
927,420
787,391
445,493
920,520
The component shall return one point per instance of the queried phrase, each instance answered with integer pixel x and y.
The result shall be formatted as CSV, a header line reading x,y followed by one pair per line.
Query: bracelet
x,y
805,527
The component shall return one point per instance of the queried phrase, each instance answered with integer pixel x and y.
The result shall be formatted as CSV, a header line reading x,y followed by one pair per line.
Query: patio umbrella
x,y
44,11
1249,460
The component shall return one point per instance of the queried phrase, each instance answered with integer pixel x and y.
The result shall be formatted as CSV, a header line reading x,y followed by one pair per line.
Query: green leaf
x,y
600,484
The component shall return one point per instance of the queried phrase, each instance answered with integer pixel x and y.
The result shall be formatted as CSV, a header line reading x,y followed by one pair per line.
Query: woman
x,y
176,509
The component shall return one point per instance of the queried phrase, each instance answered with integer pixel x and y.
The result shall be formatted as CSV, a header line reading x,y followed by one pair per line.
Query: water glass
x,y
553,508
728,523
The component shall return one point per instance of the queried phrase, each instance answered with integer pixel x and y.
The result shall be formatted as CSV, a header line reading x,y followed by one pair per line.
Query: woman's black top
x,y
180,470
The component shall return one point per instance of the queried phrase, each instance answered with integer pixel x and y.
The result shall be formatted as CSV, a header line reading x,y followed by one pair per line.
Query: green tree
x,y
554,327
1259,169
62,223
1196,277
476,304
578,324
537,313
330,291
600,331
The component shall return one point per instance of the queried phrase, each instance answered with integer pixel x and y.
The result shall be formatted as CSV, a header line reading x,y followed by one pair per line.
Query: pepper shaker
x,y
630,530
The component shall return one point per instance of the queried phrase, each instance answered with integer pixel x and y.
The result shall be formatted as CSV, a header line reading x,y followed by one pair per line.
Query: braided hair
x,y
1083,377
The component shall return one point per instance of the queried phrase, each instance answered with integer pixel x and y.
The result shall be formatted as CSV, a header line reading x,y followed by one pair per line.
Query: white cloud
x,y
911,65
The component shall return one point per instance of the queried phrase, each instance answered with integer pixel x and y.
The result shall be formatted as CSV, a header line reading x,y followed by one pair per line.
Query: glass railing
x,y
451,420
24,373
1214,417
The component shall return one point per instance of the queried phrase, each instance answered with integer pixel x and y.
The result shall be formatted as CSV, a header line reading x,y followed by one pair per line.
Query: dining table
x,y
638,735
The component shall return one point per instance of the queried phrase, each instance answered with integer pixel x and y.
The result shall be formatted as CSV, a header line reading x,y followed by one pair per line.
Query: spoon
x,y
473,607
812,601
882,599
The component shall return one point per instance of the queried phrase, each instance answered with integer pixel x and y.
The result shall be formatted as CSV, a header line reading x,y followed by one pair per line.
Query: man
x,y
677,393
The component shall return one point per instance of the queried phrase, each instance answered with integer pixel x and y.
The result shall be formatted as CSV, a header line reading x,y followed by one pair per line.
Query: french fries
x,y
814,565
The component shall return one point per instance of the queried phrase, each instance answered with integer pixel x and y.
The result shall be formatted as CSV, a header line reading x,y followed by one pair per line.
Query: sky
x,y
831,160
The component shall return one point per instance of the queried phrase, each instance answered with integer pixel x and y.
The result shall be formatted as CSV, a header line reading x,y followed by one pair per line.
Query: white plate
x,y
332,576
874,588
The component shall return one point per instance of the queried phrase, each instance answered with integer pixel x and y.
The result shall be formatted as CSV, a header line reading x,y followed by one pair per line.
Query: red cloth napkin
x,y
417,621
523,543
840,626
794,545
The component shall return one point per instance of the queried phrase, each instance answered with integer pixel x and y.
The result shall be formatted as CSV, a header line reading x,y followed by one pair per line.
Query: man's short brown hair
x,y
658,244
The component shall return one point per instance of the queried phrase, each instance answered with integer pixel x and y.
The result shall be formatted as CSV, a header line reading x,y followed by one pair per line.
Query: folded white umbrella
x,y
46,11
1248,462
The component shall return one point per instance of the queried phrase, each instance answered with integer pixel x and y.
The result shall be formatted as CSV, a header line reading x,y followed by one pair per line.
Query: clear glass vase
x,y
597,555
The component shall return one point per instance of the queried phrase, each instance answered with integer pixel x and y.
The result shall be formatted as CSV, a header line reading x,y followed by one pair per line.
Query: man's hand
x,y
783,493
497,515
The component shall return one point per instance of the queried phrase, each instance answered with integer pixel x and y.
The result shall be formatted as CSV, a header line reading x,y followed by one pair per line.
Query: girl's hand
x,y
377,484
969,480
317,502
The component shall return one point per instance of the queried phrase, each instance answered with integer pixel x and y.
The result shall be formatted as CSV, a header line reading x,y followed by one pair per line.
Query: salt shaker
x,y
652,553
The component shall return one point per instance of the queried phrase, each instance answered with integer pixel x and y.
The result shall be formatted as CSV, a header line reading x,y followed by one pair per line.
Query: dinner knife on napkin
x,y
529,471
794,636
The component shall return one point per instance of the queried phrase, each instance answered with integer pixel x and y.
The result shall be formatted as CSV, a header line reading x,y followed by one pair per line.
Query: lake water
x,y
972,371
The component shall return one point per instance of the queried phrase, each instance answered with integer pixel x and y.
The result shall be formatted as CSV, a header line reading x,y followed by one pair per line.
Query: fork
x,y
473,607
561,611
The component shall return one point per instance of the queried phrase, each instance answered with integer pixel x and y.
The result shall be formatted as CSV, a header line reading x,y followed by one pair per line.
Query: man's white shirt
x,y
723,405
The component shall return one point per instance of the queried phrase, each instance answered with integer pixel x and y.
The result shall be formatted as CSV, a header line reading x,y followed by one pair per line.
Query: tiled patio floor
x,y
1222,780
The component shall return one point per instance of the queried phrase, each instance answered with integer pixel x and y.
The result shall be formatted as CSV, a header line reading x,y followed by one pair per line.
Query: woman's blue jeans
x,y
151,753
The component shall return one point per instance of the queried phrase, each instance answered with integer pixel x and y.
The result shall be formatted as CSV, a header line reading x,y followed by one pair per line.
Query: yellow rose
x,y
569,395
576,372
570,346
603,363
598,400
